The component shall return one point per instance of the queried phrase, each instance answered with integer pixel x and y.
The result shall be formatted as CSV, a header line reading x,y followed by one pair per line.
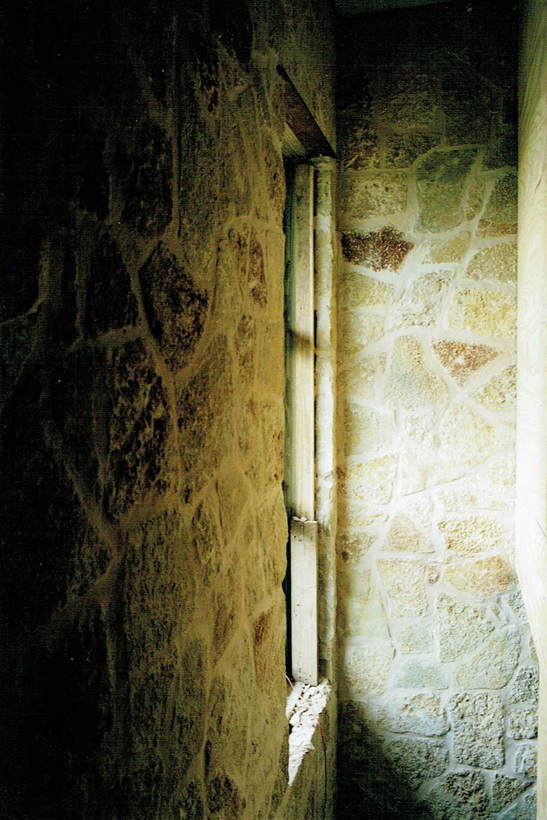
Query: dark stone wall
x,y
142,525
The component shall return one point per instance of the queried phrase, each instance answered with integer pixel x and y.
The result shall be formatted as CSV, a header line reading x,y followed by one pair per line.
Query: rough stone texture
x,y
526,760
427,369
366,669
417,760
461,359
404,585
505,790
522,724
420,714
377,250
461,628
526,809
142,526
492,666
478,729
462,795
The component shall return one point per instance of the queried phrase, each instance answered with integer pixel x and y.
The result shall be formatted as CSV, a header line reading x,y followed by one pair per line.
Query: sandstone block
x,y
410,384
472,534
463,359
500,392
526,760
110,302
404,536
485,312
372,480
402,150
461,627
358,330
366,668
522,724
500,215
417,760
462,795
498,264
506,789
525,688
466,439
447,251
359,379
440,181
415,639
481,578
491,488
360,606
423,300
419,674
375,194
493,666
352,546
478,729
420,714
360,290
385,249
526,809
404,585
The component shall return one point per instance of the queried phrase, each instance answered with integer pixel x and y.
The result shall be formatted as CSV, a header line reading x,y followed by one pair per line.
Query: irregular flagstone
x,y
410,384
465,437
461,627
402,150
526,760
421,714
477,720
415,760
500,393
361,610
492,666
448,250
365,430
360,290
383,249
415,639
358,330
500,215
440,180
522,724
463,359
419,674
372,480
525,688
462,795
472,534
404,584
423,302
482,577
498,263
375,194
404,536
485,312
506,789
526,809
366,668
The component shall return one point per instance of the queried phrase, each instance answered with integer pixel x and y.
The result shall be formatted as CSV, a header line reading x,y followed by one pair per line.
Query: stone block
x,y
360,607
415,760
360,146
491,488
461,628
405,536
500,392
366,668
403,581
423,301
359,290
475,198
463,359
477,720
506,789
174,307
352,546
419,674
522,724
525,688
360,378
410,384
462,795
110,302
481,578
526,809
496,264
402,150
526,760
358,330
501,212
385,249
420,714
369,194
492,666
440,181
472,534
372,480
465,440
415,639
485,312
448,251
148,200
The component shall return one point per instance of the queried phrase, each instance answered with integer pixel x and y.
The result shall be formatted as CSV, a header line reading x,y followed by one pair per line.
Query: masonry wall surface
x,y
142,518
438,675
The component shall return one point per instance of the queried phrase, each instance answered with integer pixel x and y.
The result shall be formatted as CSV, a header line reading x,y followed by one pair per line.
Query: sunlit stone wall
x,y
439,678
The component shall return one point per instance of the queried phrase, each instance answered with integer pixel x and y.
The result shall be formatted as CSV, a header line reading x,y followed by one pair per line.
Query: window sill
x,y
304,706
